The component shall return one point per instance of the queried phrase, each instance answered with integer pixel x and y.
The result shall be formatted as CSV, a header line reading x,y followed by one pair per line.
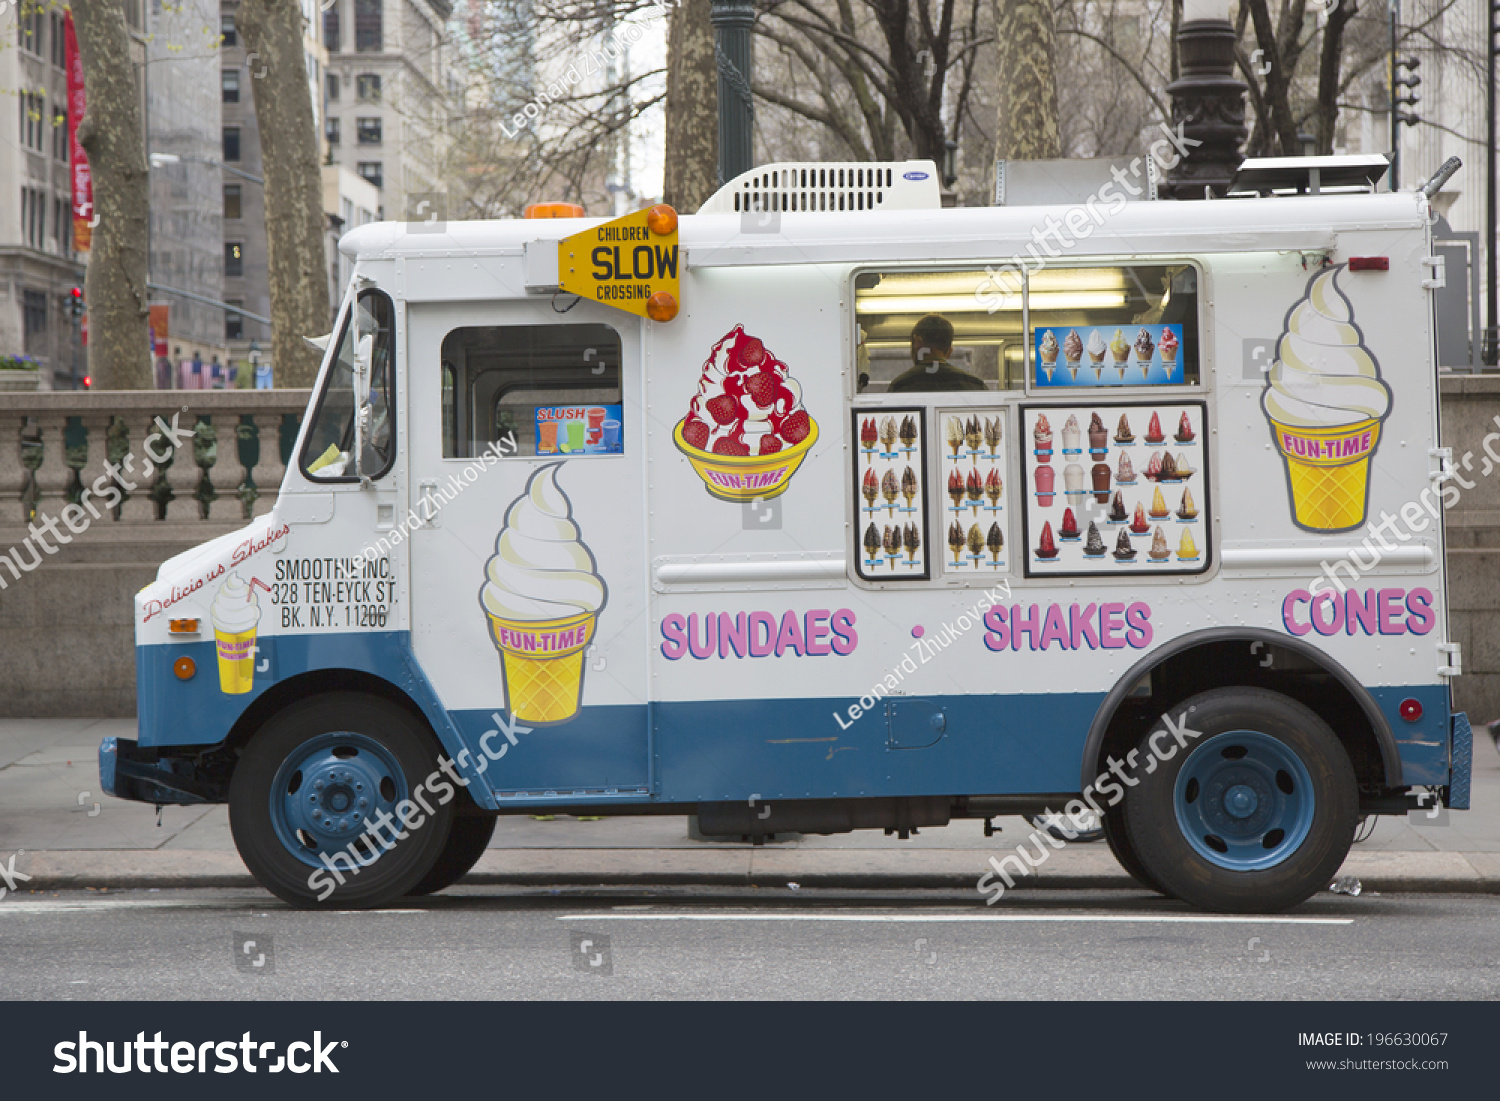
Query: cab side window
x,y
327,456
554,389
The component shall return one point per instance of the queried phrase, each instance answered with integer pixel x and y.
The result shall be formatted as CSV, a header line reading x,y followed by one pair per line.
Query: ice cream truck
x,y
830,508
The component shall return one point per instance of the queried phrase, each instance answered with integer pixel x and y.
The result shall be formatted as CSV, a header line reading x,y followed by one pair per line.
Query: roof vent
x,y
848,186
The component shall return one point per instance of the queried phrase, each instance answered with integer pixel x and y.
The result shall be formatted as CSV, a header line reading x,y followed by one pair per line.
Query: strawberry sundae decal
x,y
746,431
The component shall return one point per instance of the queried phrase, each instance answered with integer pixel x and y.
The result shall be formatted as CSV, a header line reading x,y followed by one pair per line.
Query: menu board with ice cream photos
x,y
973,471
890,497
1115,489
1095,356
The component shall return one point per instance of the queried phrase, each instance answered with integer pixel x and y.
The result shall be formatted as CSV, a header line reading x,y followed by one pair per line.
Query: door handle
x,y
428,504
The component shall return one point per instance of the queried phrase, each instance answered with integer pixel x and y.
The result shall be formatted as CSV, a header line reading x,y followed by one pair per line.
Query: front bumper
x,y
127,771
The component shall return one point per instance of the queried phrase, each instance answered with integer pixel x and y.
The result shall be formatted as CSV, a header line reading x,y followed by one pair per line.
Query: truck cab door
x,y
527,545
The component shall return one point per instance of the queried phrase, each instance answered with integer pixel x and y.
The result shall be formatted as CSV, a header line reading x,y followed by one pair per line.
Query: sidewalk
x,y
49,790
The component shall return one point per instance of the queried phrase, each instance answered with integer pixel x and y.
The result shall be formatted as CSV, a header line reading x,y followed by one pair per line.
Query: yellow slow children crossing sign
x,y
630,263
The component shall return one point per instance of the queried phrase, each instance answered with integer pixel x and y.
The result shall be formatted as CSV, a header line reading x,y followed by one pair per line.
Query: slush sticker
x,y
1325,401
579,430
746,431
542,596
235,614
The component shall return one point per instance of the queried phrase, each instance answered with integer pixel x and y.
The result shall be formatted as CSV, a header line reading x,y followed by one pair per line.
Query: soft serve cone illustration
x,y
235,613
542,596
1325,400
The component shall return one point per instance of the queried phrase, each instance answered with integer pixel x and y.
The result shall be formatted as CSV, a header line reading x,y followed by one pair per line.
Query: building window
x,y
29,29
234,259
234,324
229,85
33,121
367,28
232,208
231,143
34,217
34,314
367,87
230,37
331,86
59,43
369,131
371,171
59,135
331,131
331,30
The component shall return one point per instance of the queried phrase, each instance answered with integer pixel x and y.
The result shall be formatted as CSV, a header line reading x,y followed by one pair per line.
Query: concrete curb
x,y
946,869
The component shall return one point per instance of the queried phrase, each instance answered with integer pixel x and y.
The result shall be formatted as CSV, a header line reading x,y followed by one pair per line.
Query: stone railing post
x,y
53,475
268,470
13,472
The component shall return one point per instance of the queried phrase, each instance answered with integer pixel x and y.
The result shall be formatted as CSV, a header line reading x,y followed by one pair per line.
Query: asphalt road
x,y
494,943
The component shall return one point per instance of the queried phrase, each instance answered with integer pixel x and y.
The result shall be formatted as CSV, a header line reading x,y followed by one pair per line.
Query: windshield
x,y
326,456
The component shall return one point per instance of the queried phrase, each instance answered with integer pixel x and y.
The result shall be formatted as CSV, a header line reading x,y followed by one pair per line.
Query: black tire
x,y
1118,840
1318,811
384,750
466,844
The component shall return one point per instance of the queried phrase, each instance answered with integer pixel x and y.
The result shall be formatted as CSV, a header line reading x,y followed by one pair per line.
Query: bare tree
x,y
294,192
112,135
692,126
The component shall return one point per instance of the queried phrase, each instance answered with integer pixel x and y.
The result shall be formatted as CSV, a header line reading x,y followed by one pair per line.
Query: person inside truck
x,y
931,345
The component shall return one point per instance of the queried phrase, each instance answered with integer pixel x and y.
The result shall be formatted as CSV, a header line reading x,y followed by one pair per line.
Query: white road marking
x,y
80,906
1138,919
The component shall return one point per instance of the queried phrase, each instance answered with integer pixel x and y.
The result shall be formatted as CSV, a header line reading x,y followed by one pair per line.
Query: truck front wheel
x,y
1254,812
329,804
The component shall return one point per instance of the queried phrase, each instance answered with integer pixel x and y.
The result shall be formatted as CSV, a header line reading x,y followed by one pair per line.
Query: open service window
x,y
934,332
554,388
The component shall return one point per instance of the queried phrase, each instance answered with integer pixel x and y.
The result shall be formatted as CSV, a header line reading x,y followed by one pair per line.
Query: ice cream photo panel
x,y
1131,498
974,471
890,494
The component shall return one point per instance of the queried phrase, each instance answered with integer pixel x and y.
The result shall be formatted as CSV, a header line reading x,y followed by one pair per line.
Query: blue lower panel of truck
x,y
715,749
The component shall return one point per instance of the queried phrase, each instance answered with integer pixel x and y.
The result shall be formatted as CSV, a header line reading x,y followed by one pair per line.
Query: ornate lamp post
x,y
1208,103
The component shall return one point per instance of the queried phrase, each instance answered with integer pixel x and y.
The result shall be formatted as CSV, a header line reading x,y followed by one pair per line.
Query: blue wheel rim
x,y
326,789
1244,800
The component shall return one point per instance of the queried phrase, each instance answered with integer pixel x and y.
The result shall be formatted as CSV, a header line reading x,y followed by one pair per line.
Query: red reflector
x,y
1369,263
1410,710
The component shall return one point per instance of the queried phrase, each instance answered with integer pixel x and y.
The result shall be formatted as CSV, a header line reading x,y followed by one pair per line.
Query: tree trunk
x,y
111,133
295,222
1026,37
692,123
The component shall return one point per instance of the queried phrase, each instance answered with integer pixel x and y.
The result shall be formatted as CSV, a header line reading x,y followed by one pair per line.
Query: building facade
x,y
38,266
388,96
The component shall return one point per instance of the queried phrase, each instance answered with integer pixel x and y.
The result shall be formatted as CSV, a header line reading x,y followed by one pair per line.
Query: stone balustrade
x,y
228,466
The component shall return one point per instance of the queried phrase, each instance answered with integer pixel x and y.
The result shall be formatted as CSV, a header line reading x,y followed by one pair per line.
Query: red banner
x,y
83,184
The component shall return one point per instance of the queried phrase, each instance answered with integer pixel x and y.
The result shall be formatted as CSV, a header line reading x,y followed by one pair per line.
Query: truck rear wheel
x,y
1123,849
310,781
1254,814
466,844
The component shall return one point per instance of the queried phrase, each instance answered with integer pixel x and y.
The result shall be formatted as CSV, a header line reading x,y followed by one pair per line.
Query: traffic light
x,y
1406,77
88,382
75,303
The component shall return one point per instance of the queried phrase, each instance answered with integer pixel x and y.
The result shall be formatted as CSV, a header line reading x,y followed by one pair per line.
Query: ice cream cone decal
x,y
542,596
235,614
1325,401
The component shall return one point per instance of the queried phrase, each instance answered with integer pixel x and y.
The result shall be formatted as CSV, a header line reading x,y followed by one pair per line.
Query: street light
x,y
159,160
